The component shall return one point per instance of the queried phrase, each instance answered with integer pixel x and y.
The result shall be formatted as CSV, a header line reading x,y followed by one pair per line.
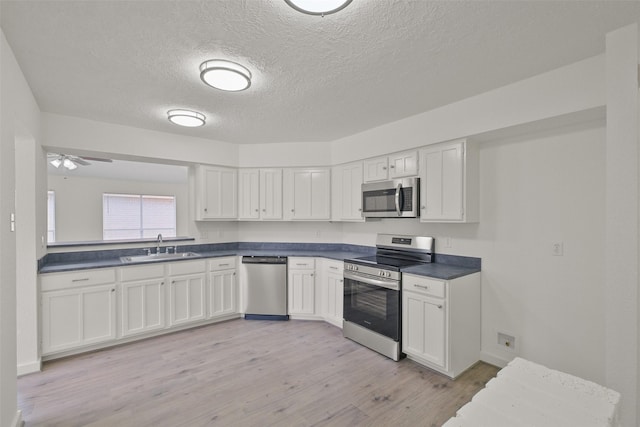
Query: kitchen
x,y
555,145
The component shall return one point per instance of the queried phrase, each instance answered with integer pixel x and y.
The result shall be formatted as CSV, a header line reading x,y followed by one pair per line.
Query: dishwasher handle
x,y
264,259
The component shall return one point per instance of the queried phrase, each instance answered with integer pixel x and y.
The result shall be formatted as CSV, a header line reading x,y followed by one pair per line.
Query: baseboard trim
x,y
17,420
492,359
29,368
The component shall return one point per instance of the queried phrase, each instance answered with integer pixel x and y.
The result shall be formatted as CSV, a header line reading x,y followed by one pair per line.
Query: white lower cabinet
x,y
441,322
333,292
142,299
187,286
78,317
301,284
222,289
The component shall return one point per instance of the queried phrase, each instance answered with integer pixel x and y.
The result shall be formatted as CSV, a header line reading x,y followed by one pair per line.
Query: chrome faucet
x,y
159,240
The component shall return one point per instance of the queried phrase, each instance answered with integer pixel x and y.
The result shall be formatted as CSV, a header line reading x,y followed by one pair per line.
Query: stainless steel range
x,y
372,300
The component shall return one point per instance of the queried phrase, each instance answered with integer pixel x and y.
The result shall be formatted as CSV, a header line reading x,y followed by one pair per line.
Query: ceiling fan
x,y
71,162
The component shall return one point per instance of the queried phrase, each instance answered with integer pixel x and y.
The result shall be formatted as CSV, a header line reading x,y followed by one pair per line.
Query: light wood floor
x,y
243,373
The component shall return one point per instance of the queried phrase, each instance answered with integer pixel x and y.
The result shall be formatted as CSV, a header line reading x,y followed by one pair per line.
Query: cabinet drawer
x,y
336,267
301,263
225,263
186,267
55,281
424,285
141,272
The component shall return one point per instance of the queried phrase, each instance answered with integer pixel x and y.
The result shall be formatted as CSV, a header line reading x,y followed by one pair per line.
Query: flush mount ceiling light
x,y
225,75
318,7
186,118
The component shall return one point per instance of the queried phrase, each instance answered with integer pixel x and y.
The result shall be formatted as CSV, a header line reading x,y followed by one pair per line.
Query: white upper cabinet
x,y
376,169
249,194
346,192
260,194
449,183
216,193
307,194
403,164
270,194
396,165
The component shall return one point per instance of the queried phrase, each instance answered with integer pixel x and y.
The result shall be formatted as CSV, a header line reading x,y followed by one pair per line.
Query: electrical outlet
x,y
557,249
447,242
507,341
204,235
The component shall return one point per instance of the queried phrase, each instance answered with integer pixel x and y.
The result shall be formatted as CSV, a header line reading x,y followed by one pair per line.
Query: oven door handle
x,y
398,189
394,286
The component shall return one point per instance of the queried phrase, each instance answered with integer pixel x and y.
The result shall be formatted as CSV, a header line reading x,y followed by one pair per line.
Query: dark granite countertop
x,y
445,267
440,271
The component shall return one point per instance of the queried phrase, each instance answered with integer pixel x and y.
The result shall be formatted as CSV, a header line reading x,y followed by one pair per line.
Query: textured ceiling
x,y
315,78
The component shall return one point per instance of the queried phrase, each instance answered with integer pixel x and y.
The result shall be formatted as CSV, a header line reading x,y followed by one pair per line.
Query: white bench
x,y
525,394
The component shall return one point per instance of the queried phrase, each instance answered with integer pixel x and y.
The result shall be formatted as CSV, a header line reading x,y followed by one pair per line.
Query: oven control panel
x,y
372,271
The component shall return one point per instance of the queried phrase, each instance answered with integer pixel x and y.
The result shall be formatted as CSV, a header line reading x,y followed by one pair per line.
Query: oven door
x,y
373,303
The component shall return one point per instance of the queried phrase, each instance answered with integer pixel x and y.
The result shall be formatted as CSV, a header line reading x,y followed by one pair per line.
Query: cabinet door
x,y
347,192
302,290
186,299
333,299
218,193
309,195
376,169
142,306
424,328
222,293
403,164
249,194
442,182
78,317
271,194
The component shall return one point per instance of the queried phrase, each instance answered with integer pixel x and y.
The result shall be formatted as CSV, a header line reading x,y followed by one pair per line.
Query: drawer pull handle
x,y
425,287
84,279
223,265
437,305
113,290
302,264
333,268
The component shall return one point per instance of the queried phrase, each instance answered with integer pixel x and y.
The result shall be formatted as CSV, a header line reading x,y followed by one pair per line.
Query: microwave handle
x,y
398,199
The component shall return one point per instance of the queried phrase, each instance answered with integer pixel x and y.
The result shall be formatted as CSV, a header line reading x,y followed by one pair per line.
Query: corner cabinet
x,y
78,309
301,288
222,288
346,192
441,322
307,195
216,193
449,190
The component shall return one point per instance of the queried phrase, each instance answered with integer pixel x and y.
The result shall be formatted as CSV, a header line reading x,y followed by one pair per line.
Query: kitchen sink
x,y
158,257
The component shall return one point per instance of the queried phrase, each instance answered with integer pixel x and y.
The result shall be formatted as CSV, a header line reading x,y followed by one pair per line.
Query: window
x,y
136,216
51,216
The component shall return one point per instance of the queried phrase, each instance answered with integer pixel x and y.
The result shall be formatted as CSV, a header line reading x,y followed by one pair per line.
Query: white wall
x,y
568,94
621,224
79,203
19,121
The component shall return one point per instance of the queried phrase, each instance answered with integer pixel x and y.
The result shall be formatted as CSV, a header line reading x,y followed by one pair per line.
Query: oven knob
x,y
355,267
388,274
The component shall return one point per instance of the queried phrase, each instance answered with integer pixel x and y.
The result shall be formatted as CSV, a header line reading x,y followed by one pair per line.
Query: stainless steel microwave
x,y
397,198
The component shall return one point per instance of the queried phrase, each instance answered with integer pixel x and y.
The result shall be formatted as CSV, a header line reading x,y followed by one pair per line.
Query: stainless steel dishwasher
x,y
266,281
